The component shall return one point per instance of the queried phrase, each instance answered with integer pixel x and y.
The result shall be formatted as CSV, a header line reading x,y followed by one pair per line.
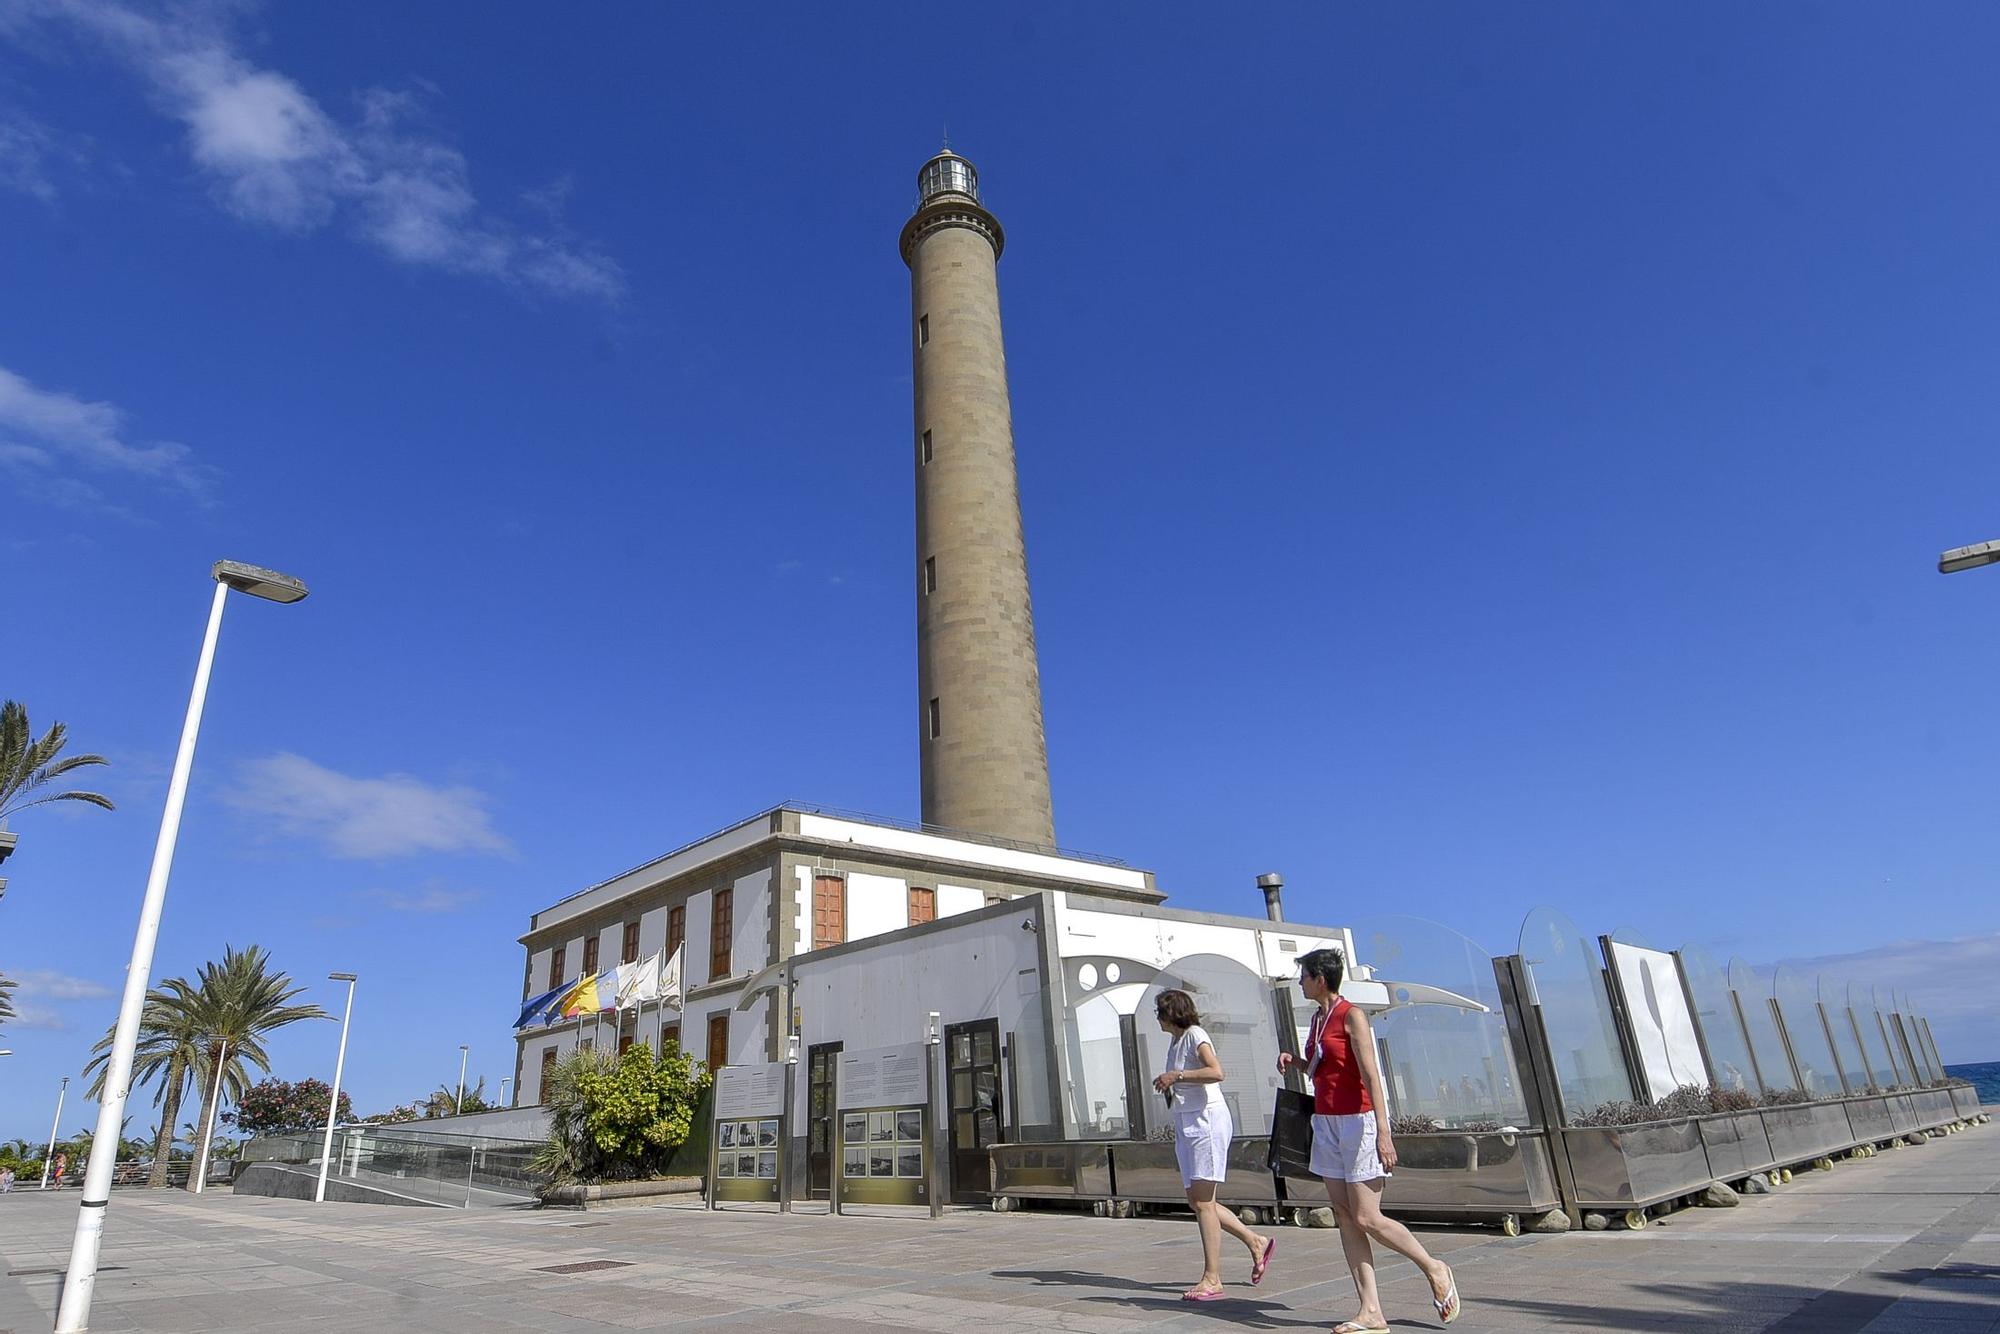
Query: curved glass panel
x,y
1443,1060
1799,1004
1235,1006
1930,1040
1861,1007
1576,1012
1728,1049
1899,1062
1846,1045
1754,998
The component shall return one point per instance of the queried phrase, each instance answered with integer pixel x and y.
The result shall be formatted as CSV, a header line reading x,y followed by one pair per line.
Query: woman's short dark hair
x,y
1177,1008
1326,965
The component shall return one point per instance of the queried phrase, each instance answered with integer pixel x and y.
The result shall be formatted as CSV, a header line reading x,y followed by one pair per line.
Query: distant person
x,y
1352,1149
6,1181
62,1166
1192,1083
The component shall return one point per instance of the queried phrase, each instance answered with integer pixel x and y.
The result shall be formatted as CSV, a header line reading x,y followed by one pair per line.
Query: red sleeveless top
x,y
1336,1074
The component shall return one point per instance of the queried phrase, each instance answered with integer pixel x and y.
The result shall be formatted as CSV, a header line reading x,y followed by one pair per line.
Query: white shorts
x,y
1201,1144
1344,1148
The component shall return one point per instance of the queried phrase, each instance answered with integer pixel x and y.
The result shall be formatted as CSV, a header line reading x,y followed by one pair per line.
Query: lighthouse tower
x,y
979,690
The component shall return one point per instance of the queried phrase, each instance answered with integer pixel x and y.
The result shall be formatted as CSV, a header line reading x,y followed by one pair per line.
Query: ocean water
x,y
1984,1076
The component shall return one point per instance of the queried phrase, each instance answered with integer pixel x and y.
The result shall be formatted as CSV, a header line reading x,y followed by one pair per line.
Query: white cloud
x,y
30,153
40,990
429,900
44,432
275,156
1950,982
395,815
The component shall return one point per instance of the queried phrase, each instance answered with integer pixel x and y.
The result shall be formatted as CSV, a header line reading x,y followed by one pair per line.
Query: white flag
x,y
637,982
667,984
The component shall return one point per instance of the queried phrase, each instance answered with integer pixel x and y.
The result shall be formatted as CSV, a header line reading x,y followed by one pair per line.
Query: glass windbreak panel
x,y
1441,1054
1097,1062
1899,1029
1753,998
1235,1008
1930,1040
1907,1008
1898,1061
1861,1006
1846,1045
1728,1048
1657,1016
1798,1002
1569,989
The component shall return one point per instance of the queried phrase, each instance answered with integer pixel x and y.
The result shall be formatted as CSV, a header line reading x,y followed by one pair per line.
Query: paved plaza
x,y
1908,1241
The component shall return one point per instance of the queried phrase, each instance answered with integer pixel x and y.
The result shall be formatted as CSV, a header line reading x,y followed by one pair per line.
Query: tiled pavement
x,y
1904,1243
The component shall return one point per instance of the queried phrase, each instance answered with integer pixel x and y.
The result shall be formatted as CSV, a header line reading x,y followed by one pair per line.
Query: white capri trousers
x,y
1344,1148
1201,1143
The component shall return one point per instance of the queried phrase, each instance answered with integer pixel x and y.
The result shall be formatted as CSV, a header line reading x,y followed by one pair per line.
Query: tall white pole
x,y
503,1091
73,1314
463,1052
333,1103
49,1158
208,1115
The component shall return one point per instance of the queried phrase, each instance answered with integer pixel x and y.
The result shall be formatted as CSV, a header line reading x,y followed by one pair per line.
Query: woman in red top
x,y
1352,1150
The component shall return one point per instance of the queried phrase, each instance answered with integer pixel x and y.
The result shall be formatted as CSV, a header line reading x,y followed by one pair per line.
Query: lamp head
x,y
1969,558
258,582
340,977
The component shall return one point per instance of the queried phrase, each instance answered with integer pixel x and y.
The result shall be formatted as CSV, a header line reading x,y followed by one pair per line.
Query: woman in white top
x,y
1192,1083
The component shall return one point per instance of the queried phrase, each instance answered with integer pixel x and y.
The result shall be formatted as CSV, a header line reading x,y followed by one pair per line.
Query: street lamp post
x,y
208,1115
1969,558
73,1314
333,1102
49,1158
463,1052
504,1082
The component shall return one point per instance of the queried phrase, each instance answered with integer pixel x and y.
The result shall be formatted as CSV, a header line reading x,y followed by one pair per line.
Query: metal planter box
x,y
1064,1170
1480,1174
1803,1131
1902,1112
1628,1167
1868,1119
1934,1108
1965,1100
1147,1170
1736,1143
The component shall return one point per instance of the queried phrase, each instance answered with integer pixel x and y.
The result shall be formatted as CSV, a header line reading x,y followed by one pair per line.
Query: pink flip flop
x,y
1192,1296
1263,1262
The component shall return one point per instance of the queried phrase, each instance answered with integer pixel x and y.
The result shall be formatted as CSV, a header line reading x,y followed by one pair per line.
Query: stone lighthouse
x,y
979,688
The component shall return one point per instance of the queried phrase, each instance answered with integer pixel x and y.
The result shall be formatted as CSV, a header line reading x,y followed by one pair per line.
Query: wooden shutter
x,y
548,1064
721,926
677,927
718,1040
629,948
670,1033
590,953
556,959
923,904
829,911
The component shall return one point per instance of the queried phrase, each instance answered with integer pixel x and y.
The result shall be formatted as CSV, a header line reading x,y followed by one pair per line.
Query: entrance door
x,y
972,1079
821,1150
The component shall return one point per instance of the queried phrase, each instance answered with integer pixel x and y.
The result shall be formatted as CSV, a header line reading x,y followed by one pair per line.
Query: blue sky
x,y
1472,458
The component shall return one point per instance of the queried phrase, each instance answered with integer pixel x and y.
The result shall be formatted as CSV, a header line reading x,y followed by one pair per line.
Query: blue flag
x,y
537,1007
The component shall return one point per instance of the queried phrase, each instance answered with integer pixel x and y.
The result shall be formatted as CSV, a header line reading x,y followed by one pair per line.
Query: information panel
x,y
1669,1052
746,1143
885,1126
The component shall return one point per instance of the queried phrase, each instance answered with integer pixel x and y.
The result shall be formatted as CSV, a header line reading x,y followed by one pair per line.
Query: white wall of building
x,y
879,997
955,899
750,923
695,971
876,904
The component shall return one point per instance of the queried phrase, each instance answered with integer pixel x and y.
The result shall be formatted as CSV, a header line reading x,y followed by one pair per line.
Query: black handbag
x,y
1292,1135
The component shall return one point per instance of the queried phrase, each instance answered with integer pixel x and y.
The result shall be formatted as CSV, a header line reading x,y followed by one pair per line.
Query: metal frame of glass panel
x,y
1874,1042
1758,1010
1806,1035
1566,984
1898,1062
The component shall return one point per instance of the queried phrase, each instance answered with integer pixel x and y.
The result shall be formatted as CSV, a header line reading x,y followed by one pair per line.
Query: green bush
x,y
616,1119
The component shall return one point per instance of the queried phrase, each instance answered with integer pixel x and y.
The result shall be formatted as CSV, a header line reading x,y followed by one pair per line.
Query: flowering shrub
x,y
274,1107
618,1118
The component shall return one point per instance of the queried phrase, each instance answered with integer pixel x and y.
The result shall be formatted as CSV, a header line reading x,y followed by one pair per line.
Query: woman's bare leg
x,y
1367,1204
1360,1256
1201,1198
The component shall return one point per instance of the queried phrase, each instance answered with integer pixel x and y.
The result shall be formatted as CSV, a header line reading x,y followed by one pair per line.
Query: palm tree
x,y
446,1102
7,985
171,1032
27,765
241,1000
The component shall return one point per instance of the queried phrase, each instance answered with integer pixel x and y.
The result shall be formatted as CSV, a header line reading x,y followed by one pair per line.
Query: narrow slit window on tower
x,y
927,447
935,729
923,330
930,574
